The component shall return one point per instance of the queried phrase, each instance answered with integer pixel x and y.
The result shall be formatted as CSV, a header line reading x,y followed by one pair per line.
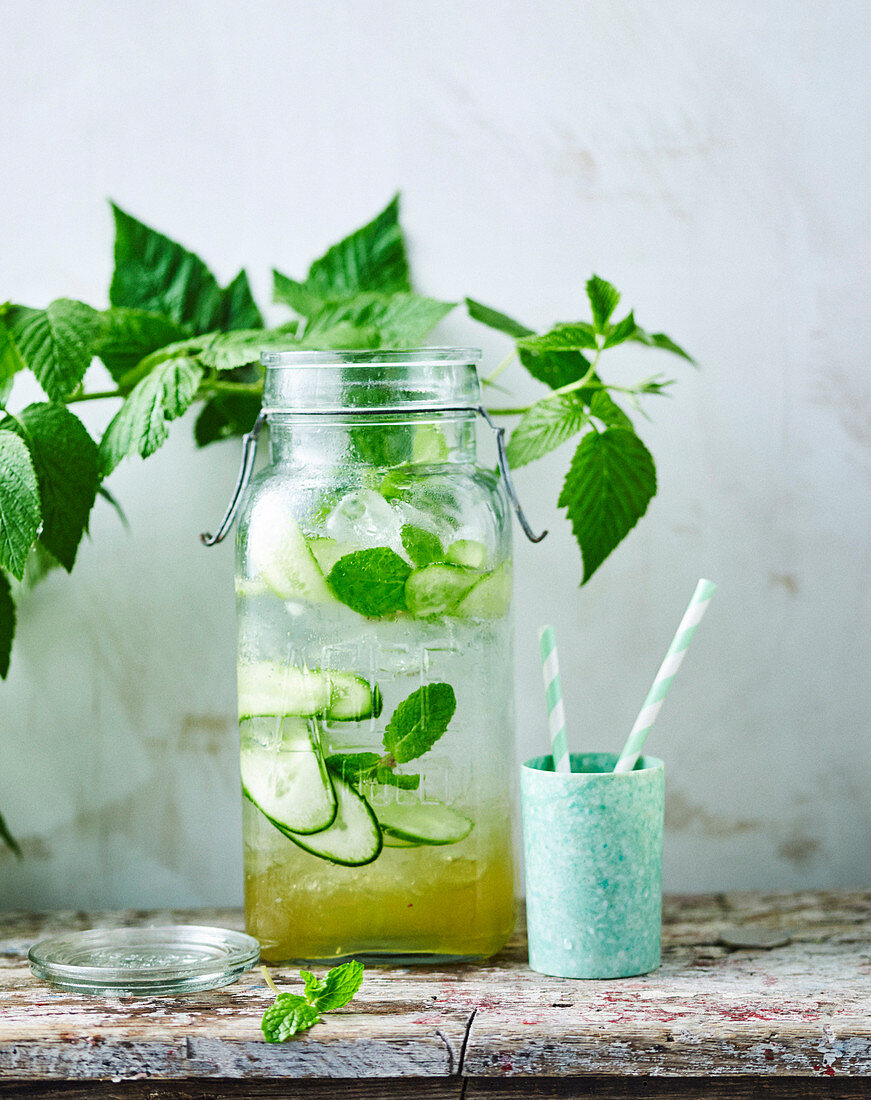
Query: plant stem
x,y
214,386
570,387
95,395
269,981
503,366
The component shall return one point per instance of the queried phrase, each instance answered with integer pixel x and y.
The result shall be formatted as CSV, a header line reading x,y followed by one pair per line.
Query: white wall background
x,y
710,158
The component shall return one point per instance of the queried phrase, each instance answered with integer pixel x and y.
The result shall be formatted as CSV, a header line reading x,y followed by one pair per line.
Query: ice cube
x,y
365,519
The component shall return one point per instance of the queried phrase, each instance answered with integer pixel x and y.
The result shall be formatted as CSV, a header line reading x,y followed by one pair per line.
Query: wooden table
x,y
714,1021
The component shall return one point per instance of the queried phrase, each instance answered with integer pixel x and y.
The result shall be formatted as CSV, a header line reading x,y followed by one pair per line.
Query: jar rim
x,y
350,357
401,379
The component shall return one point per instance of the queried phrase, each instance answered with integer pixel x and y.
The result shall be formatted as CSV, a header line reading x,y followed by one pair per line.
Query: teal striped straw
x,y
553,693
665,677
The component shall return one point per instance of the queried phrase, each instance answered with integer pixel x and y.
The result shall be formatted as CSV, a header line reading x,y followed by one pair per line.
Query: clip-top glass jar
x,y
375,663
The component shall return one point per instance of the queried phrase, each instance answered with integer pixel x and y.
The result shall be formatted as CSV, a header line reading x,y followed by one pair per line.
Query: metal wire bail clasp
x,y
249,452
506,476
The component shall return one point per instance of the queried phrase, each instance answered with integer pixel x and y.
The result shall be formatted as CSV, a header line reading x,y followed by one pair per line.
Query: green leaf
x,y
8,839
360,767
568,336
660,340
19,503
7,633
553,366
238,308
141,423
57,343
129,335
494,319
402,319
40,562
606,409
287,1016
65,459
623,330
338,986
422,546
544,427
609,485
371,582
419,721
603,300
157,274
109,498
372,259
10,357
298,296
226,415
238,349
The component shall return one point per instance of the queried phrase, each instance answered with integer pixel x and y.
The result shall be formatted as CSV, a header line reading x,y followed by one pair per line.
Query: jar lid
x,y
181,958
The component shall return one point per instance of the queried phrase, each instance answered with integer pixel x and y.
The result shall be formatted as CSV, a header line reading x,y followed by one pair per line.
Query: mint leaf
x,y
549,362
402,319
568,336
237,307
141,422
610,482
419,721
660,340
494,319
65,460
422,547
7,633
338,986
360,767
226,415
544,427
129,335
603,300
8,839
372,259
371,582
286,1016
623,330
157,274
238,349
56,342
10,357
603,407
19,503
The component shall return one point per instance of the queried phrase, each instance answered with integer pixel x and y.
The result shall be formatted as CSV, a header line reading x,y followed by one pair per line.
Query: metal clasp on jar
x,y
249,451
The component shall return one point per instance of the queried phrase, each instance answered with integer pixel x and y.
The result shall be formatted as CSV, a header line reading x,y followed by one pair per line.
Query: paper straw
x,y
553,694
664,678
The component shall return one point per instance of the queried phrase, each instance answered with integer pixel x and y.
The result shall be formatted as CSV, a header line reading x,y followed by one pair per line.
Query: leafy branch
x,y
172,337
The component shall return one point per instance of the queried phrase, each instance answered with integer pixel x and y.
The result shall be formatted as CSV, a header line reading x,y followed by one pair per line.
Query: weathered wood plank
x,y
800,1011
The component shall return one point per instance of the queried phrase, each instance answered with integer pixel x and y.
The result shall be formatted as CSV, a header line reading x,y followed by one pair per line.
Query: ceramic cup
x,y
593,847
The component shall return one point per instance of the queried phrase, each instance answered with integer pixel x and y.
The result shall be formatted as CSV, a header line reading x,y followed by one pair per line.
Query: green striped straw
x,y
664,678
553,694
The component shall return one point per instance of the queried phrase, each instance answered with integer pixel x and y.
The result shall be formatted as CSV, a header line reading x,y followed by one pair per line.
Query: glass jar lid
x,y
182,958
414,379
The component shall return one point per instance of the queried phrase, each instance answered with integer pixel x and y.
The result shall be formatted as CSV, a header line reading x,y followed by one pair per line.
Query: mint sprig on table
x,y
173,337
291,1013
415,726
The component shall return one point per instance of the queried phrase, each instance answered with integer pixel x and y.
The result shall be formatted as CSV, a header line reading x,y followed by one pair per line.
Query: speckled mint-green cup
x,y
593,847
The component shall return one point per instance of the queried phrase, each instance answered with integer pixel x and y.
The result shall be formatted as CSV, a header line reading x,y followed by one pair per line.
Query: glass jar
x,y
375,664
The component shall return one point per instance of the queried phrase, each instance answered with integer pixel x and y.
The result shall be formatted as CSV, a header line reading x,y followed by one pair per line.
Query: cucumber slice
x,y
328,551
436,589
281,557
269,687
395,842
352,840
488,598
468,552
290,784
424,822
353,698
